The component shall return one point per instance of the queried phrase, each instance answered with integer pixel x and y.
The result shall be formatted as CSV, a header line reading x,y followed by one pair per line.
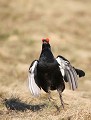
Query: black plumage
x,y
50,73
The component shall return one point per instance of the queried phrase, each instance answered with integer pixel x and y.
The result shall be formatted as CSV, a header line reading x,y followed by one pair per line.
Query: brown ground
x,y
23,23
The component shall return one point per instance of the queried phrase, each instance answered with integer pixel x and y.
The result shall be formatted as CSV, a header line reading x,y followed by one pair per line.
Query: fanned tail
x,y
79,72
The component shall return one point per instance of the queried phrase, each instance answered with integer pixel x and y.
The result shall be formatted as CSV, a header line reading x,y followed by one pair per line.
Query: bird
x,y
51,73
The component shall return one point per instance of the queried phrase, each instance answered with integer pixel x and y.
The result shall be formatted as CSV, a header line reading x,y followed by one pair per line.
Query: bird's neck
x,y
46,55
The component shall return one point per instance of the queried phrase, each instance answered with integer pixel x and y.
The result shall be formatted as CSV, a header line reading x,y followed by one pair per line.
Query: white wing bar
x,y
35,90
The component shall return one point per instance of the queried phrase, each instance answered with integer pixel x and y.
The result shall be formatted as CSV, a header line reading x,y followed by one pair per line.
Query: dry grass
x,y
22,25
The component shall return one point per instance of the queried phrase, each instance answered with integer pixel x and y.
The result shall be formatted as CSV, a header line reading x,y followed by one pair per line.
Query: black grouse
x,y
50,73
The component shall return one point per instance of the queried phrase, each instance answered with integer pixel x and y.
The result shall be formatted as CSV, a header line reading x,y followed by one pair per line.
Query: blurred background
x,y
23,23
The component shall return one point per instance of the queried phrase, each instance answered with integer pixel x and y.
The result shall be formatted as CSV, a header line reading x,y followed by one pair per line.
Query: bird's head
x,y
45,40
45,43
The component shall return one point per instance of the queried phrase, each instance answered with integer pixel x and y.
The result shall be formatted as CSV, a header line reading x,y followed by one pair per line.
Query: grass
x,y
22,26
3,37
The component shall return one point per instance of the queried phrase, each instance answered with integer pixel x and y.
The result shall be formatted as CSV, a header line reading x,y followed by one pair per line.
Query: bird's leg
x,y
60,95
49,95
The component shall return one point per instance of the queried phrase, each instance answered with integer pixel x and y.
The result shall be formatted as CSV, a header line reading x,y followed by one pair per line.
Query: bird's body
x,y
50,73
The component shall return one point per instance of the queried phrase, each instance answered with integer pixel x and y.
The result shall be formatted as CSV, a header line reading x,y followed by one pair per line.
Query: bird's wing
x,y
68,72
32,77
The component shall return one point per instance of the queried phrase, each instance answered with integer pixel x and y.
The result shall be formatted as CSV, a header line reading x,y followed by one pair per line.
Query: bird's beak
x,y
45,42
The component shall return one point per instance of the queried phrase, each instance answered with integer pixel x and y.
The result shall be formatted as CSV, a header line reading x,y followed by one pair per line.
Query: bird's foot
x,y
58,108
50,98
